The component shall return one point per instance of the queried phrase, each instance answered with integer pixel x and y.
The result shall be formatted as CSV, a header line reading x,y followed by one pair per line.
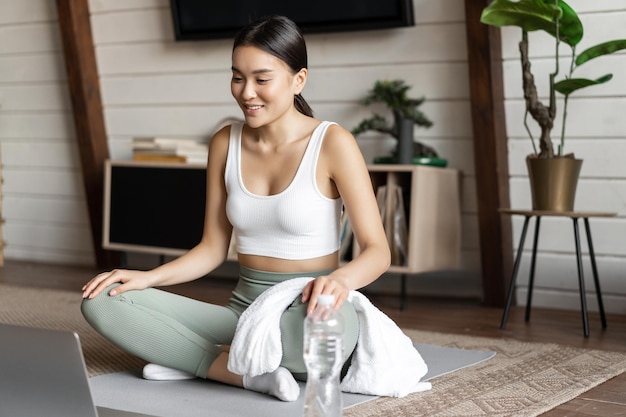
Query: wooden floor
x,y
449,316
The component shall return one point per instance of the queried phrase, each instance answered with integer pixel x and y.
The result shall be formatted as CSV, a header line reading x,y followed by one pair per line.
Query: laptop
x,y
43,374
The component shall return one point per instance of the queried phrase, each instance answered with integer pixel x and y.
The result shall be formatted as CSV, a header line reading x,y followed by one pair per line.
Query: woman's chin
x,y
253,122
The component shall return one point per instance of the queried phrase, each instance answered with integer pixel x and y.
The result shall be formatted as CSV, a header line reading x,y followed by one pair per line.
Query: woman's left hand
x,y
324,285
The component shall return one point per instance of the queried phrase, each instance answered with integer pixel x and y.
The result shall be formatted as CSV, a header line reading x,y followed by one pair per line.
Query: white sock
x,y
279,383
162,373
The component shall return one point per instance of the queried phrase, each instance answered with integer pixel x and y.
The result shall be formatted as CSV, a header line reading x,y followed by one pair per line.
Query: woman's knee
x,y
93,308
292,334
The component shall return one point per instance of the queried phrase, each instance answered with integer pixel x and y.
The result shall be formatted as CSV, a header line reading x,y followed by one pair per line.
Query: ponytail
x,y
302,106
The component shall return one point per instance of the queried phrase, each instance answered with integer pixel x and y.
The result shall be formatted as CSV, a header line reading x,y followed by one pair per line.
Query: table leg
x,y
402,292
518,257
581,278
123,260
533,261
594,269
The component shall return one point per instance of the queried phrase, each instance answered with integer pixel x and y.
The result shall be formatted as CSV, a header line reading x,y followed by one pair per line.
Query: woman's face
x,y
263,85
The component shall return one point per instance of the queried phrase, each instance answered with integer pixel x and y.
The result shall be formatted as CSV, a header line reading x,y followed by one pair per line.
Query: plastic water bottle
x,y
323,357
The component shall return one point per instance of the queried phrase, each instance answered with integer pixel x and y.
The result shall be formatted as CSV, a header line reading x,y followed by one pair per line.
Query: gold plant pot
x,y
553,182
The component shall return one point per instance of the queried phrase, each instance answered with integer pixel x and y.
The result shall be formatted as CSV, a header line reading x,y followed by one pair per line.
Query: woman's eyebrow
x,y
259,71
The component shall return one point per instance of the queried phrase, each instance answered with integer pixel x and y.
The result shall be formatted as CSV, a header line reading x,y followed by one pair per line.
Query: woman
x,y
279,180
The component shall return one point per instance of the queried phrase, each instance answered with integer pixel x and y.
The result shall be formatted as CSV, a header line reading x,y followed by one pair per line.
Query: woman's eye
x,y
237,79
262,81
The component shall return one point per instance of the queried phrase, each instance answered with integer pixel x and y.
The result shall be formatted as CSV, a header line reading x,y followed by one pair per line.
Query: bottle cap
x,y
326,299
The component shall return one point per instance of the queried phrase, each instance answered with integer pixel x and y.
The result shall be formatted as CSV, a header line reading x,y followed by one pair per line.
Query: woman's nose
x,y
248,91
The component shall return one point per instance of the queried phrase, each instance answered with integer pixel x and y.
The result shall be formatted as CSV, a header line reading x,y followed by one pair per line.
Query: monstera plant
x,y
558,20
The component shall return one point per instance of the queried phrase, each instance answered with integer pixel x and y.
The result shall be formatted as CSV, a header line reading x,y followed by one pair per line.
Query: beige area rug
x,y
53,309
523,379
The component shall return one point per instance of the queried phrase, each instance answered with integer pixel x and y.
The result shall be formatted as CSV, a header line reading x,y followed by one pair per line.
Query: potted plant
x,y
561,22
405,113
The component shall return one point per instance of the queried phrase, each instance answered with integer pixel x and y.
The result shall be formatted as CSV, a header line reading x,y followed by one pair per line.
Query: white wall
x,y
596,133
43,198
152,86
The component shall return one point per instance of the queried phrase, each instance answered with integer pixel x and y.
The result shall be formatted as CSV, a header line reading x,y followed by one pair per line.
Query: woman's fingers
x,y
89,287
306,292
100,282
324,285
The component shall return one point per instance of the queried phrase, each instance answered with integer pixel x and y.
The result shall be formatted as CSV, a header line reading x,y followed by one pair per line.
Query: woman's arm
x,y
213,247
201,259
342,161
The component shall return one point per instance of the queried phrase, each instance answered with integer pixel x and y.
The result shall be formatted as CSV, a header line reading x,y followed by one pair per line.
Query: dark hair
x,y
281,37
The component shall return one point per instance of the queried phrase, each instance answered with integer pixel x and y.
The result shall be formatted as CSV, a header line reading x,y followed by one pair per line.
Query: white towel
x,y
385,362
256,348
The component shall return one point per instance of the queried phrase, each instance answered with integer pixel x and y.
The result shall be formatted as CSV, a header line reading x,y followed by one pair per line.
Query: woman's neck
x,y
287,129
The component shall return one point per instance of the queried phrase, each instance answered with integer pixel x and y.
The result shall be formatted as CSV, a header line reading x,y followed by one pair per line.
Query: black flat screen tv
x,y
218,19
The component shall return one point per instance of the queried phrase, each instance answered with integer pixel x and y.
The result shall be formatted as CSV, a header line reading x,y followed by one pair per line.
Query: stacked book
x,y
170,150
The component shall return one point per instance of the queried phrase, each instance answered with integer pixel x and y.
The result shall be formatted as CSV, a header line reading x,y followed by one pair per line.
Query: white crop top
x,y
297,223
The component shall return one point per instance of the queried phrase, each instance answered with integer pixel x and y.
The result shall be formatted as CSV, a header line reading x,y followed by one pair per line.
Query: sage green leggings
x,y
183,333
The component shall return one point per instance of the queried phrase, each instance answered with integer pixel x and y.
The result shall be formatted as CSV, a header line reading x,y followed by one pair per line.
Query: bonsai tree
x,y
394,95
558,19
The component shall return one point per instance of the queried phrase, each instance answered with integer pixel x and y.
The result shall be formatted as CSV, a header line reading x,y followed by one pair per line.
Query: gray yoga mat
x,y
197,397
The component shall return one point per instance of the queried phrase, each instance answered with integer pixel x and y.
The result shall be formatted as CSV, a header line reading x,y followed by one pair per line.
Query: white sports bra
x,y
297,223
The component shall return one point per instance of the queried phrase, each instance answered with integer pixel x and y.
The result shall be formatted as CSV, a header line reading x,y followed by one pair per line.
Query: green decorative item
x,y
417,160
405,113
552,180
560,21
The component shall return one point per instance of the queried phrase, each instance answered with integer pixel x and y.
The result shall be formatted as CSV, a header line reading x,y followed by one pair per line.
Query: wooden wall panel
x,y
42,154
32,243
44,237
19,12
44,182
68,210
99,6
26,68
32,38
33,97
490,152
29,125
115,27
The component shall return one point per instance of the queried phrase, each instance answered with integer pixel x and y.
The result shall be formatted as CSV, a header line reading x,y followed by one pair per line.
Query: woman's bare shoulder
x,y
341,154
218,147
221,136
339,140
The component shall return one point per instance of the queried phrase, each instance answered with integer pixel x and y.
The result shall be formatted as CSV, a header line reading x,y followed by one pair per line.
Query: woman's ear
x,y
300,80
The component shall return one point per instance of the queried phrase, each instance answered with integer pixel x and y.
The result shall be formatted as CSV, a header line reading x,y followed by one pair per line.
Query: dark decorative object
x,y
404,148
